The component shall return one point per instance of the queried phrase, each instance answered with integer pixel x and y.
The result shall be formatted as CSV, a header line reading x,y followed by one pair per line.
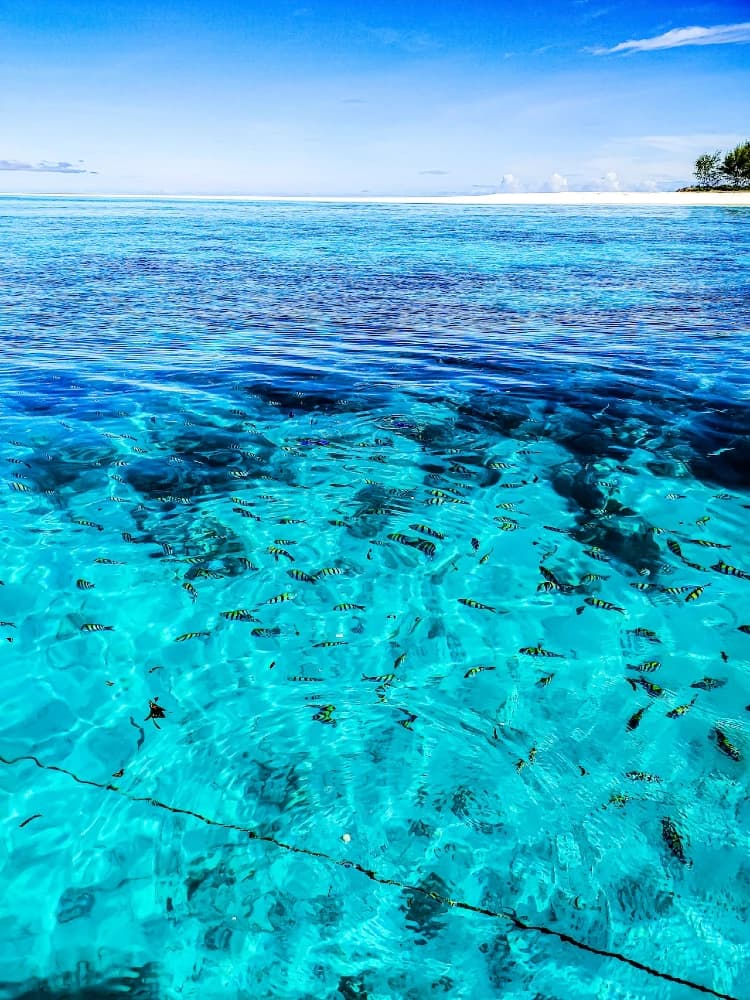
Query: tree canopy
x,y
731,171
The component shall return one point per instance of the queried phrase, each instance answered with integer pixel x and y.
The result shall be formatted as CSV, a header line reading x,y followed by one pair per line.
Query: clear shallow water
x,y
556,394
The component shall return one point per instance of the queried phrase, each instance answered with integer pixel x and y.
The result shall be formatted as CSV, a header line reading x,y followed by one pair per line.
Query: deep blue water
x,y
491,461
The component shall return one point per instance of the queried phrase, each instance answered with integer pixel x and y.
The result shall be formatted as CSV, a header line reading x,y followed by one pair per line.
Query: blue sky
x,y
384,98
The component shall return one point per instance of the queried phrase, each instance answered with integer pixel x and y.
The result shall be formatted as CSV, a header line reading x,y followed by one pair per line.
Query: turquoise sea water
x,y
205,406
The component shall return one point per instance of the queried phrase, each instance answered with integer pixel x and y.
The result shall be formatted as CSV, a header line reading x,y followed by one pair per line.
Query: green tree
x,y
736,165
708,169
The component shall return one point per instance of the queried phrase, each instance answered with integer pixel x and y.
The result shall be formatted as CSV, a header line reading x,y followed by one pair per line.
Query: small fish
x,y
674,548
722,567
238,615
338,524
744,628
675,496
20,487
618,799
329,644
305,679
674,591
643,585
509,526
84,585
645,633
284,541
88,524
596,553
425,529
407,722
642,776
724,744
547,587
399,660
706,543
93,627
298,574
544,681
329,571
287,595
425,547
247,563
155,711
126,536
703,520
681,710
709,683
469,603
485,558
696,592
240,502
348,607
190,589
475,544
651,689
635,719
265,633
596,602
292,520
648,666
325,715
119,774
539,651
592,578
7,624
191,635
245,513
673,840
473,671
383,679
276,552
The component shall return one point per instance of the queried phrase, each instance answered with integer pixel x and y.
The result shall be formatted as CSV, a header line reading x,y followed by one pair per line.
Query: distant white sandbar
x,y
654,199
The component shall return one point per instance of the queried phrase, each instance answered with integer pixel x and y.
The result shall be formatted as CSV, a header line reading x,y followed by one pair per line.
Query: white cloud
x,y
510,182
557,182
719,34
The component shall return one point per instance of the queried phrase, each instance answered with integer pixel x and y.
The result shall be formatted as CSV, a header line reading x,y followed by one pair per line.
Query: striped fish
x,y
722,567
84,584
238,615
94,627
287,595
298,574
425,529
470,603
192,635
88,524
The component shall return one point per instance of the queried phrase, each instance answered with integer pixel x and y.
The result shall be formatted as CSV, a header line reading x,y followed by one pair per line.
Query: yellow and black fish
x,y
673,840
709,683
20,487
329,571
102,561
383,679
597,602
643,776
725,745
648,666
192,635
706,543
722,567
238,615
651,689
681,709
539,651
292,520
329,644
265,633
305,679
240,502
325,715
399,660
84,585
94,627
544,681
298,574
276,552
592,578
696,592
485,558
247,563
287,595
473,671
645,633
88,524
346,606
596,553
425,529
618,799
635,719
470,603
547,587
190,589
243,512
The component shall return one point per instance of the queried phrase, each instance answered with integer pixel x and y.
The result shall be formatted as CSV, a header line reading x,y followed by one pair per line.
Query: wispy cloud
x,y
45,167
433,173
719,34
408,41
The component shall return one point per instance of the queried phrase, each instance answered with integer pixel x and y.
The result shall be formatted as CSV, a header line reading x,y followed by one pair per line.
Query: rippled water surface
x,y
358,561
